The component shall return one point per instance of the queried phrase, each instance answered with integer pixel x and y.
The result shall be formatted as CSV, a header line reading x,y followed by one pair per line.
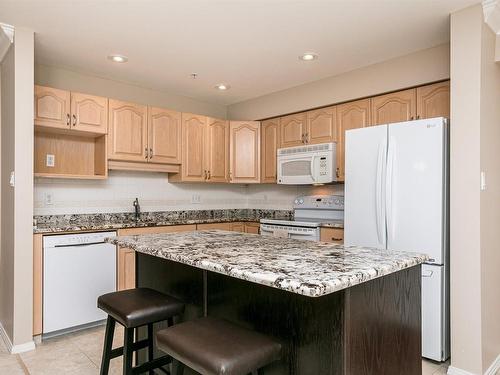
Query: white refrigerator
x,y
396,198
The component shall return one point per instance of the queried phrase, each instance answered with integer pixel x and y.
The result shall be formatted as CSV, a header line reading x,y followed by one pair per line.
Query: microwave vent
x,y
304,149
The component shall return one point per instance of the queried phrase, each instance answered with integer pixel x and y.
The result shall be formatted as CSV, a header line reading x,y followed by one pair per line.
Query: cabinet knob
x,y
307,137
418,117
146,152
205,174
68,119
150,153
74,120
208,175
338,172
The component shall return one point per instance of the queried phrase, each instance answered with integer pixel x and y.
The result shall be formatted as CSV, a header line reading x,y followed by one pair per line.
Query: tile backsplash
x,y
155,193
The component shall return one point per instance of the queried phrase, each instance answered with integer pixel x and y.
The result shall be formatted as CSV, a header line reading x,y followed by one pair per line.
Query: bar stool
x,y
134,308
216,347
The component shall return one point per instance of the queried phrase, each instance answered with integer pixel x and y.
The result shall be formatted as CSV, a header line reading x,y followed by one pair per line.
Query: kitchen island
x,y
337,310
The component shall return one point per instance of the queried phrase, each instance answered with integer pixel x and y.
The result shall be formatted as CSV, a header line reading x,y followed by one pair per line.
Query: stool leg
x,y
150,346
128,351
108,345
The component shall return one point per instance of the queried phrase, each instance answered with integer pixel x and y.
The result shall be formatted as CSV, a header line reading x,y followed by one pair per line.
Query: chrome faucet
x,y
137,209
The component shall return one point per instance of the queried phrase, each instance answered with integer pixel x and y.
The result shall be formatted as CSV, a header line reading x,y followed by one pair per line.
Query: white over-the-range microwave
x,y
307,165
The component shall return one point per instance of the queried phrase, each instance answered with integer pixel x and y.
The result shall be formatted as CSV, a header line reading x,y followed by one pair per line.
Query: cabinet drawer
x,y
334,235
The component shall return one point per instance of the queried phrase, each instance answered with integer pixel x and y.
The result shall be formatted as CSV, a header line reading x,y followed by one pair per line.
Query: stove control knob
x,y
301,201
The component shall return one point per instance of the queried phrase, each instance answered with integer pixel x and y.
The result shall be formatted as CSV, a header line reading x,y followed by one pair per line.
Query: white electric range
x,y
311,212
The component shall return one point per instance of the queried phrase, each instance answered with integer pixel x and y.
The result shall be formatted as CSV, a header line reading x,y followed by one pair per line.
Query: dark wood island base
x,y
373,328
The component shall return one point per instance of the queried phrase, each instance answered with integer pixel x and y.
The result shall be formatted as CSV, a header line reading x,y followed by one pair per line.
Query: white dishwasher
x,y
77,268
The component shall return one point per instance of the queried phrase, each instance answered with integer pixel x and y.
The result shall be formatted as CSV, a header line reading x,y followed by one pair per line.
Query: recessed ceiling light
x,y
309,56
118,58
222,87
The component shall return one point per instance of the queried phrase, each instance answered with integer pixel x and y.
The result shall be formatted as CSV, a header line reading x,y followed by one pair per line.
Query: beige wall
x,y
402,72
74,81
16,303
475,145
490,199
7,195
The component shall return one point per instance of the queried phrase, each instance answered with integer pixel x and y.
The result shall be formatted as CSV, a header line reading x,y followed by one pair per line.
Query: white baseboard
x,y
15,349
492,370
456,371
495,366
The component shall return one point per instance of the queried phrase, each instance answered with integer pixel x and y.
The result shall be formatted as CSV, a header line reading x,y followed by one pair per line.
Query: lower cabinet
x,y
238,227
220,226
333,235
252,228
125,264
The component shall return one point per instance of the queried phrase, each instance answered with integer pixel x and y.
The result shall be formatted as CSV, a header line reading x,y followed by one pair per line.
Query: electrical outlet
x,y
196,199
483,181
51,160
48,199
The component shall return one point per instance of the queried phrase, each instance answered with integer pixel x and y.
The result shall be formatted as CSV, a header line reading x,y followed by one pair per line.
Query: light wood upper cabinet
x,y
217,159
321,126
127,131
270,131
164,136
395,107
433,100
293,130
193,147
244,151
89,113
52,107
351,115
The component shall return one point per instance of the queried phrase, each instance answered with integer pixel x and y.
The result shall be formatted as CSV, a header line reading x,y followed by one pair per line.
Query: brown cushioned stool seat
x,y
214,347
140,306
134,308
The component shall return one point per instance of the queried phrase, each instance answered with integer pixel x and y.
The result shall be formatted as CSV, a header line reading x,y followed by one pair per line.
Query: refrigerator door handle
x,y
379,209
389,188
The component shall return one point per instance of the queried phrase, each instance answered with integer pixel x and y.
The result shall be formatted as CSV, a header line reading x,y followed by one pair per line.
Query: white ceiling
x,y
252,45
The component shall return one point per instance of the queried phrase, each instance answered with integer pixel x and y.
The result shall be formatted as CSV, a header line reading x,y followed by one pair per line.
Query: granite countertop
x,y
309,268
104,221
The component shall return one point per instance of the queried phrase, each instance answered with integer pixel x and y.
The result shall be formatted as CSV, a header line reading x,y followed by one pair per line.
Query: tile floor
x,y
80,354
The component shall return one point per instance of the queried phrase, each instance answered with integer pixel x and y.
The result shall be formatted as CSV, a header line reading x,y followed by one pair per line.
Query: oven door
x,y
282,231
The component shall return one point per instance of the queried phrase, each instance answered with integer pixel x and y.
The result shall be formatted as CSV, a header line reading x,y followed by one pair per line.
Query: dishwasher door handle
x,y
82,244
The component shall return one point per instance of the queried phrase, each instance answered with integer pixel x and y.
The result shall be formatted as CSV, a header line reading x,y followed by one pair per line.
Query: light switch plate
x,y
483,181
51,160
12,180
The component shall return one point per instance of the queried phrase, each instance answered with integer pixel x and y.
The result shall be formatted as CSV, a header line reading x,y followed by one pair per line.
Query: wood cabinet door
x,y
193,147
52,107
219,226
322,125
125,269
217,159
351,115
127,131
238,227
252,228
270,131
244,152
89,113
395,107
335,235
164,136
433,100
293,130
